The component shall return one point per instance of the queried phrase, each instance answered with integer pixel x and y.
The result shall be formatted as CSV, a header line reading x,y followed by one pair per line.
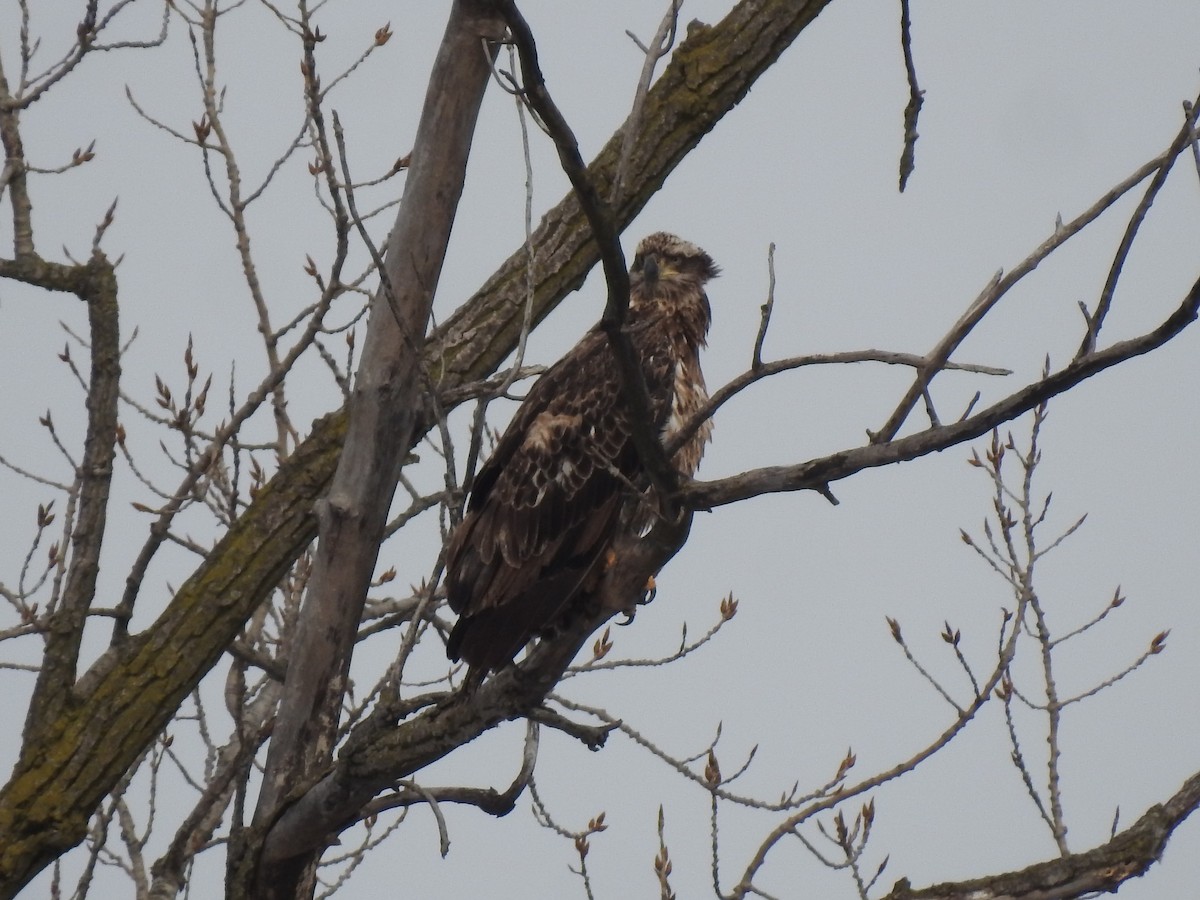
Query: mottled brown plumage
x,y
546,507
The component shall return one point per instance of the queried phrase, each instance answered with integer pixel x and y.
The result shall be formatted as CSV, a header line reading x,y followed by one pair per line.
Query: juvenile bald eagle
x,y
559,487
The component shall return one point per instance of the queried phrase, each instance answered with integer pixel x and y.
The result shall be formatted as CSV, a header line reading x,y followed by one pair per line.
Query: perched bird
x,y
565,479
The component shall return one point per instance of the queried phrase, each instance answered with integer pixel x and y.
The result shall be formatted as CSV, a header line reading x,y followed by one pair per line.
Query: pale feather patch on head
x,y
671,250
667,244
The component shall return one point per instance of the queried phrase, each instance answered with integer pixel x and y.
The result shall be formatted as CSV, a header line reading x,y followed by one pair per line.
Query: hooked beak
x,y
650,272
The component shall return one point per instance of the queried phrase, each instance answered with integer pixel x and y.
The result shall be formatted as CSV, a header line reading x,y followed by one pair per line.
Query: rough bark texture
x,y
125,700
1100,870
97,287
390,391
131,693
387,747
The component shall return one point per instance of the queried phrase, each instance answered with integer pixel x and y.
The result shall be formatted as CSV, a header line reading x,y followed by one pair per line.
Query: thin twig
x,y
916,97
756,362
662,475
660,45
1185,138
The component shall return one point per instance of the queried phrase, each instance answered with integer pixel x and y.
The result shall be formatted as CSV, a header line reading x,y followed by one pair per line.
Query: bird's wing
x,y
546,504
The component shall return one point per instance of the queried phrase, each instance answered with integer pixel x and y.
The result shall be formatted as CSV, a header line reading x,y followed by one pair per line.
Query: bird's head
x,y
664,259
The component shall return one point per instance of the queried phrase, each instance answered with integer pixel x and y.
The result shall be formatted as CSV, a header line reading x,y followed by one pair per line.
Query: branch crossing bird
x,y
565,480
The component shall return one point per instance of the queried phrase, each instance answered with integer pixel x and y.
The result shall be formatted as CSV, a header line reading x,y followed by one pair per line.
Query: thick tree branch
x,y
1101,870
385,748
491,801
97,287
134,689
386,411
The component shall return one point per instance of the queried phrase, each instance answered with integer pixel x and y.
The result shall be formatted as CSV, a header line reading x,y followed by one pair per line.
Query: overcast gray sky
x,y
1032,110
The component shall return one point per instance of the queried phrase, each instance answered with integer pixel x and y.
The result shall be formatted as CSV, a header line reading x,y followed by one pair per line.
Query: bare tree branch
x,y
916,98
385,414
1001,284
385,749
660,45
600,219
816,473
1185,138
1128,855
491,801
97,287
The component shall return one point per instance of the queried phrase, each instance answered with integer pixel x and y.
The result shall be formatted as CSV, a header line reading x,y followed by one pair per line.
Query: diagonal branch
x,y
1100,870
129,694
491,801
387,410
98,289
660,45
1001,284
600,219
386,748
815,473
1185,138
764,370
